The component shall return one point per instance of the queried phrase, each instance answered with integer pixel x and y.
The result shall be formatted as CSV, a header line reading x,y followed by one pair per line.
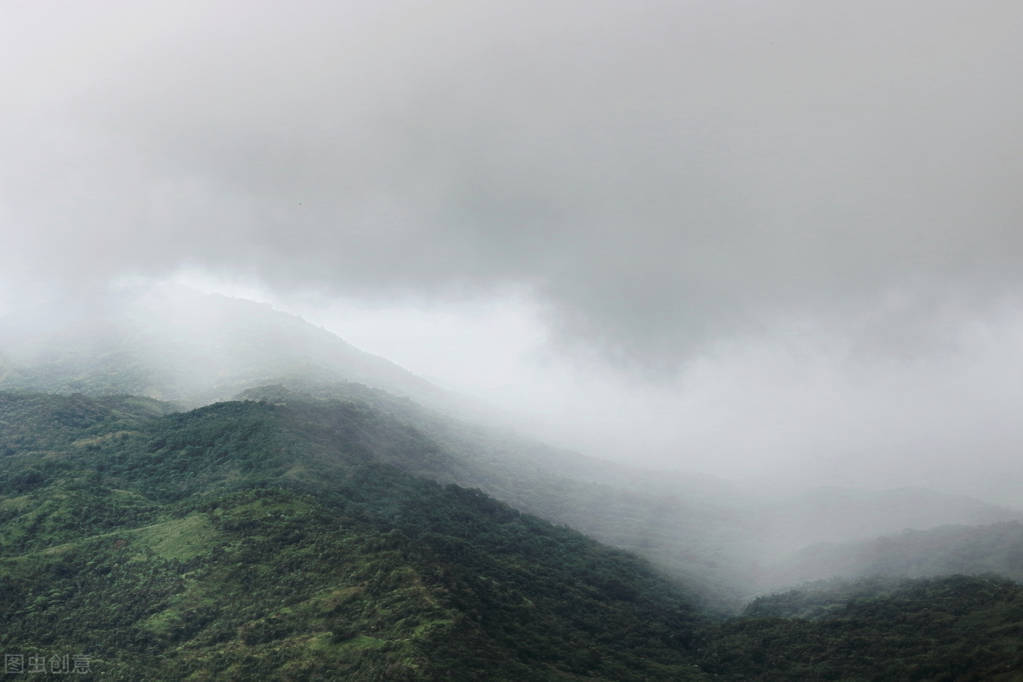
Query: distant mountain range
x,y
960,549
193,349
182,346
322,513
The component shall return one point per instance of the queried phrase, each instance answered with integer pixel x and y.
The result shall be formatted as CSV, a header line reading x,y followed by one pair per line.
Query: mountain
x,y
827,514
722,541
959,549
677,522
178,345
250,540
287,540
951,628
719,539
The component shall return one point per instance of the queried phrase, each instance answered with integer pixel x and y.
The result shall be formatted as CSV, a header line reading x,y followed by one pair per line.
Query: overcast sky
x,y
755,238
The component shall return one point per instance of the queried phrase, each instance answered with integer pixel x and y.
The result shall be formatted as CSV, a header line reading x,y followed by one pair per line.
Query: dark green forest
x,y
300,539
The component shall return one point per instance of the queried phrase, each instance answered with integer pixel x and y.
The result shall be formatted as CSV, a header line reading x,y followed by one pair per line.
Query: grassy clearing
x,y
179,539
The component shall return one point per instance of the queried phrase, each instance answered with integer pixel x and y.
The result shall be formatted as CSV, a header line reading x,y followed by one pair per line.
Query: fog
x,y
799,404
774,242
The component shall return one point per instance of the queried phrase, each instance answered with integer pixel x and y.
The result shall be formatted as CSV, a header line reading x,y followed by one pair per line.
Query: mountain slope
x,y
196,349
721,541
253,540
995,548
953,628
178,345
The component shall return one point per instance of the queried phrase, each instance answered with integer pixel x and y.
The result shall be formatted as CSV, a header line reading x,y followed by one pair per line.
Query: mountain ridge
x,y
705,532
183,346
252,540
252,500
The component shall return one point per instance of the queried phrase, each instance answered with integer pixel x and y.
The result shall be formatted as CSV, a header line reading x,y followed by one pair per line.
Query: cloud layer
x,y
659,175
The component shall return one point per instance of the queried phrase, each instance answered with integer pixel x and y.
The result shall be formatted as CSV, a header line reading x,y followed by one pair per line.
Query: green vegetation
x,y
723,543
953,628
302,539
691,539
246,540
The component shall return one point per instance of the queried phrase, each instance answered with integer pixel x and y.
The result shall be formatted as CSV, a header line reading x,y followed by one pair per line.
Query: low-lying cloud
x,y
802,219
659,175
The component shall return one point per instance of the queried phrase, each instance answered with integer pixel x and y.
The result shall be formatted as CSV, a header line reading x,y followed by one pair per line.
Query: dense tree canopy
x,y
290,539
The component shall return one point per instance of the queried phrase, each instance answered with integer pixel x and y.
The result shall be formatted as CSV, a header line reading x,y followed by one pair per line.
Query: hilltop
x,y
725,542
287,540
254,540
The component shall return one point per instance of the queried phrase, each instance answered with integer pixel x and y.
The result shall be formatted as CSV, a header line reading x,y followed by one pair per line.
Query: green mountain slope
x,y
288,540
720,540
953,628
249,540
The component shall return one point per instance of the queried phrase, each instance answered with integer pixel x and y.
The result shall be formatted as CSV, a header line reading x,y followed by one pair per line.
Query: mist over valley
x,y
386,341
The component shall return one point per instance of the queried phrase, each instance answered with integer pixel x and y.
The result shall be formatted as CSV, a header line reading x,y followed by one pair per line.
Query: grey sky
x,y
669,184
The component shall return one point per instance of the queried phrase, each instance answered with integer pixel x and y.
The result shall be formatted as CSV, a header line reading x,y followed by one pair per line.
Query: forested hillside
x,y
952,628
723,541
288,540
726,543
252,540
